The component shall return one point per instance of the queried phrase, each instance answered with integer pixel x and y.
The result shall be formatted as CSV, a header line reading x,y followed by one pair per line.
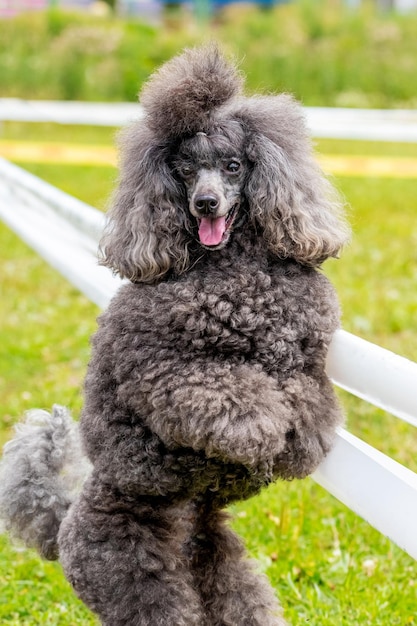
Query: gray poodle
x,y
207,378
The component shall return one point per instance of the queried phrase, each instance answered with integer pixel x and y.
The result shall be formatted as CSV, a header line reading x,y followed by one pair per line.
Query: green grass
x,y
90,184
34,592
59,133
319,50
328,566
45,325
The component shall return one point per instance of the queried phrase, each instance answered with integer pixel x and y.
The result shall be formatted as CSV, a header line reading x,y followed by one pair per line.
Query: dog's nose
x,y
206,203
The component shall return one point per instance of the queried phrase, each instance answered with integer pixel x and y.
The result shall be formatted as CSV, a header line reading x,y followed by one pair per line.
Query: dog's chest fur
x,y
232,309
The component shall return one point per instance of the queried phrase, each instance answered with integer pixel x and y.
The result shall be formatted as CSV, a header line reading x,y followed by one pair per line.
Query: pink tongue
x,y
211,231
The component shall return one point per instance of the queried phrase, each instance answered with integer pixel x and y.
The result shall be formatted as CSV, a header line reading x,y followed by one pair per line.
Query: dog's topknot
x,y
181,96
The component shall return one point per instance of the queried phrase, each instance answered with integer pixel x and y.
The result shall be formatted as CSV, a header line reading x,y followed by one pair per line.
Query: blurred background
x,y
328,566
326,52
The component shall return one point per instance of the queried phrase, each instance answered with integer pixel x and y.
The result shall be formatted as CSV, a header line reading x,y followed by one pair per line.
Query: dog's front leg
x,y
136,463
241,415
233,413
314,414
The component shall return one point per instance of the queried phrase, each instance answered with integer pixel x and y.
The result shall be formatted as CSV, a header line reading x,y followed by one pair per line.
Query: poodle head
x,y
206,162
213,169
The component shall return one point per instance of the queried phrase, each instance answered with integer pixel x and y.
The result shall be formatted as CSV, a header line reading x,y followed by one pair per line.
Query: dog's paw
x,y
303,452
256,434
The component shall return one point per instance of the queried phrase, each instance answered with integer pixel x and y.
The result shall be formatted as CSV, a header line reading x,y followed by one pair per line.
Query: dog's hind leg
x,y
232,592
125,560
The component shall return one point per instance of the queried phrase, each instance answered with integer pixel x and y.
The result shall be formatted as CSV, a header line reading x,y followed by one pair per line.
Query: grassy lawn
x,y
323,52
329,567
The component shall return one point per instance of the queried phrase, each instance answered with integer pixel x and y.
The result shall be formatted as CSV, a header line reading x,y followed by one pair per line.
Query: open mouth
x,y
214,231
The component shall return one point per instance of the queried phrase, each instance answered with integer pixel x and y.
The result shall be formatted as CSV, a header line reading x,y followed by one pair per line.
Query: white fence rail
x,y
65,231
367,124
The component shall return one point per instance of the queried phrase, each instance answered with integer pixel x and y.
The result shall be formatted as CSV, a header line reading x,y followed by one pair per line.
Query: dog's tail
x,y
41,470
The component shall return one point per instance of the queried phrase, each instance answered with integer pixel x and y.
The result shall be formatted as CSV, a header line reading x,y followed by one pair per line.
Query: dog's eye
x,y
233,166
186,171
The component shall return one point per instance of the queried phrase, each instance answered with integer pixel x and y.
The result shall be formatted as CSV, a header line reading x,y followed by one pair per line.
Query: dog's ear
x,y
289,197
145,233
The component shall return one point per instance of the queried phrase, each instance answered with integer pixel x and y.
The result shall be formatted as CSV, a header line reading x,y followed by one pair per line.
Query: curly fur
x,y
207,378
41,469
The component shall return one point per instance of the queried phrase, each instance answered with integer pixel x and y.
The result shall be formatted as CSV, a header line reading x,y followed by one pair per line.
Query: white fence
x,y
367,124
65,231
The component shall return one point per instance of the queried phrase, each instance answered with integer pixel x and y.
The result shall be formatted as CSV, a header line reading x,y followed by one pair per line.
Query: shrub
x,y
316,49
